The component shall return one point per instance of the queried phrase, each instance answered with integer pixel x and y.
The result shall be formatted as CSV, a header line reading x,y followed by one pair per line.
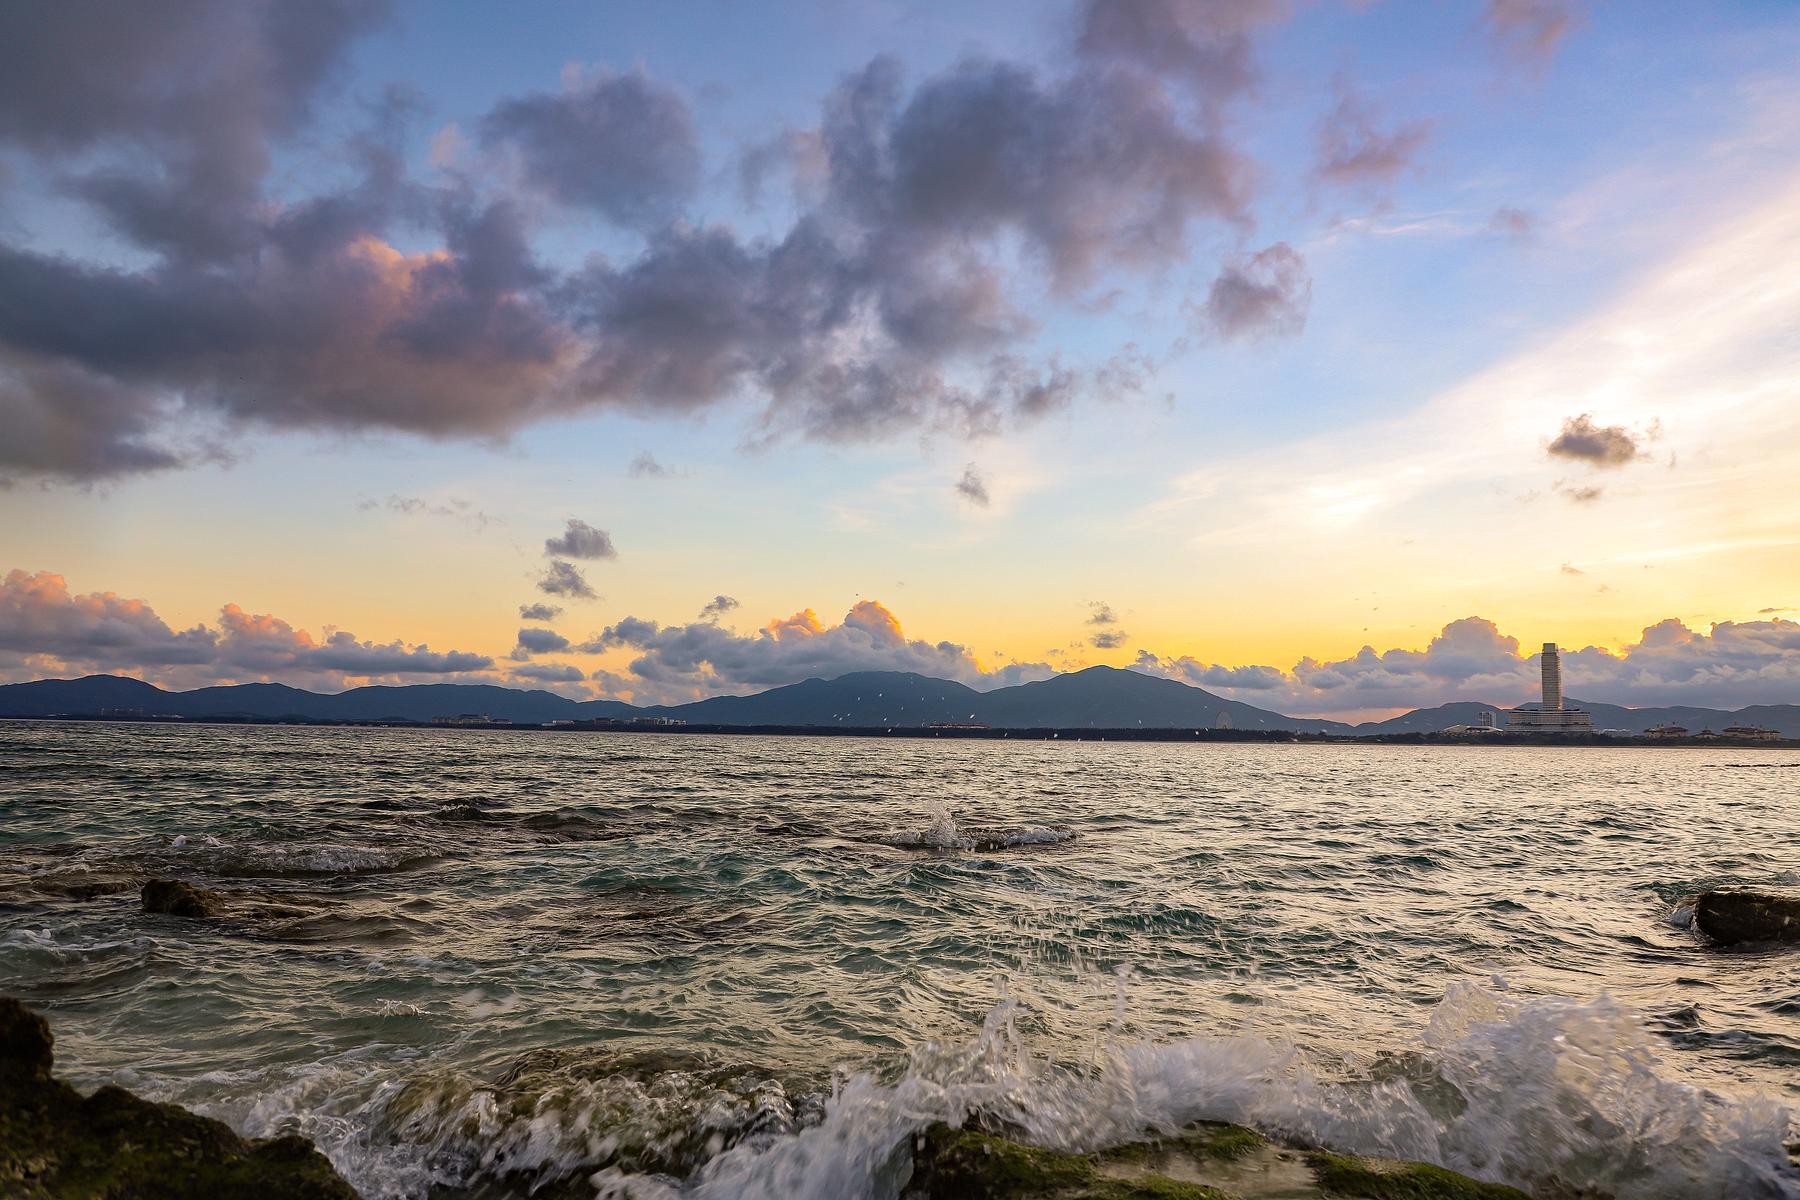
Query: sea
x,y
493,963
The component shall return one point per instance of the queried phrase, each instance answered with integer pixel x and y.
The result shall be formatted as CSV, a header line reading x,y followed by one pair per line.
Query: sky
x,y
1330,356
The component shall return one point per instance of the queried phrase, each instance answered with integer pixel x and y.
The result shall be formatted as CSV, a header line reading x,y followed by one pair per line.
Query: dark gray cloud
x,y
1093,169
1262,295
1530,30
1354,150
1206,46
564,579
56,631
538,641
539,612
717,607
622,145
973,488
1102,614
1109,639
549,673
163,114
1598,445
645,466
581,540
887,306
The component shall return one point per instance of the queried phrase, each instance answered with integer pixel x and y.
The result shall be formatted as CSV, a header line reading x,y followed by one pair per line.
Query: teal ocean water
x,y
474,963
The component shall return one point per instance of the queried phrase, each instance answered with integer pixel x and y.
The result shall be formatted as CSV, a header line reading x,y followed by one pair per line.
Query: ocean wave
x,y
944,833
1547,1094
275,859
1553,1095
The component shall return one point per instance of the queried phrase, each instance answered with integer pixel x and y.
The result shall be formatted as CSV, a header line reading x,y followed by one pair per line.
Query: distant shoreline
x,y
915,732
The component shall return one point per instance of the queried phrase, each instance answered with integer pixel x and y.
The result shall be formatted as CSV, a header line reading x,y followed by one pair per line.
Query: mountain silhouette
x,y
1094,698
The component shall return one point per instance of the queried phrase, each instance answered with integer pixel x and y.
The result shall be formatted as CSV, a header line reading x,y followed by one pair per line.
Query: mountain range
x,y
1095,698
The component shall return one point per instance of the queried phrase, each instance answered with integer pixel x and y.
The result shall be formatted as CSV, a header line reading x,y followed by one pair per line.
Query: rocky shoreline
x,y
113,1145
56,1144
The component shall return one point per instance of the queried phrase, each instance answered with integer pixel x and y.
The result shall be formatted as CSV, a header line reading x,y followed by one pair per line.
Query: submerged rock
x,y
1733,917
56,1144
180,899
1209,1162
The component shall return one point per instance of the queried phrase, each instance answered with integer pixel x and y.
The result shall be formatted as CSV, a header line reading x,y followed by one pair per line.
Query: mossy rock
x,y
56,1144
952,1164
180,899
1385,1179
1206,1162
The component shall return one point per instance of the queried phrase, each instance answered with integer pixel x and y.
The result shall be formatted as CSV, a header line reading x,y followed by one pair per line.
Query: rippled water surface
x,y
475,963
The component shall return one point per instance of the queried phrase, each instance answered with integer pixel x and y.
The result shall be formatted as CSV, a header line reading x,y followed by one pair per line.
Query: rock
x,y
1733,917
180,899
1385,1179
56,1144
1207,1162
26,1049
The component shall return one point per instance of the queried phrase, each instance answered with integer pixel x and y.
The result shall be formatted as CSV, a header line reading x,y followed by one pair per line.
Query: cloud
x,y
1354,151
1205,45
1570,569
1110,639
164,115
890,303
455,508
717,607
539,641
1514,222
622,145
1597,445
549,673
1733,665
645,466
1263,295
46,630
581,540
564,579
1530,30
685,662
973,488
1102,614
539,612
1578,493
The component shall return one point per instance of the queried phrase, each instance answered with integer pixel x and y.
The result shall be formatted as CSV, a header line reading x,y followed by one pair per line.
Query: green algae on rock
x,y
56,1144
1207,1162
951,1163
179,899
1385,1179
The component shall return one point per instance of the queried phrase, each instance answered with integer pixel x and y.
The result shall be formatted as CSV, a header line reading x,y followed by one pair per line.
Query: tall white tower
x,y
1552,679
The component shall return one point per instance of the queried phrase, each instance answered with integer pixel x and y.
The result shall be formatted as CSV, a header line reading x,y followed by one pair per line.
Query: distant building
x,y
1666,731
469,719
656,721
1753,733
958,725
1549,716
